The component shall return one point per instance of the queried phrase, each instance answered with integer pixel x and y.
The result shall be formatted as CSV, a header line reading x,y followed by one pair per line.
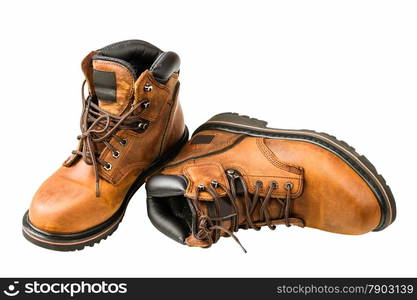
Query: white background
x,y
348,68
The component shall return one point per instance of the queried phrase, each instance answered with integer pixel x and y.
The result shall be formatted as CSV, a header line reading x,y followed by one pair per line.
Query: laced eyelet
x,y
274,184
143,126
147,87
107,166
214,183
230,172
289,185
116,154
258,182
201,187
146,104
123,142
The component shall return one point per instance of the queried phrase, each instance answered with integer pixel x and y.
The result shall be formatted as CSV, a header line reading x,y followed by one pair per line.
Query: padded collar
x,y
139,55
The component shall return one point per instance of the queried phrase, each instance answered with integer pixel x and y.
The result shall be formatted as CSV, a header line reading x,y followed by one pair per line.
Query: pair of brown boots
x,y
233,173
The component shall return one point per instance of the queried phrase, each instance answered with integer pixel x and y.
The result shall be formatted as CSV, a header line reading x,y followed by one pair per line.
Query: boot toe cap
x,y
66,208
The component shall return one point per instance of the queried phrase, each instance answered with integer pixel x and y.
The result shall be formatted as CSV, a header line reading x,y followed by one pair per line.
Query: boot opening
x,y
171,215
139,55
169,211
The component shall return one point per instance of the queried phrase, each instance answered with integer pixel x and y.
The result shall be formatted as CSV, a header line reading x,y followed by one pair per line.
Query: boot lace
x,y
98,126
209,228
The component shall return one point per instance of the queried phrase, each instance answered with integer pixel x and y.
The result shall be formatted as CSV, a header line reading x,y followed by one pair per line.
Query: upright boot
x,y
131,124
237,173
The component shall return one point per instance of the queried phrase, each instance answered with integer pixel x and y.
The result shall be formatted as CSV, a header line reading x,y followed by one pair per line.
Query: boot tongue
x,y
113,81
111,71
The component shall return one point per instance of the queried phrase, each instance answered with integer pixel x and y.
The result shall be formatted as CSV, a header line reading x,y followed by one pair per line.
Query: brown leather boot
x,y
237,173
131,124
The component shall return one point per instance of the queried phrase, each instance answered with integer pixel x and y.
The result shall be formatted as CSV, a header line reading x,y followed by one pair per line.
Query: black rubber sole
x,y
92,236
236,123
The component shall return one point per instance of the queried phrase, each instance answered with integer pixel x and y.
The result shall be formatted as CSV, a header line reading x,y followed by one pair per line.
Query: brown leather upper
x,y
66,202
326,192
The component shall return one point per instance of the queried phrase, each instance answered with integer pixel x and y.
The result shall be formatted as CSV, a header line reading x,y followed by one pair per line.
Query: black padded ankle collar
x,y
166,186
139,56
169,211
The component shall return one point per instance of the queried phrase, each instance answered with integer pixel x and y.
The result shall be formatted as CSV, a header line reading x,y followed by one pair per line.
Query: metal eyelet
x,y
143,126
274,184
123,142
116,154
107,166
214,183
289,185
230,172
201,187
258,182
147,87
146,104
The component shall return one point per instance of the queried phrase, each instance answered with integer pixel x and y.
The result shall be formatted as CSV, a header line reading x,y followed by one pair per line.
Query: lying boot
x,y
131,124
237,173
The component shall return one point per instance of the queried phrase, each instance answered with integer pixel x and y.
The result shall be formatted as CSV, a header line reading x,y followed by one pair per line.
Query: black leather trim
x,y
202,139
169,211
105,85
194,216
166,185
139,56
171,216
119,61
166,64
130,48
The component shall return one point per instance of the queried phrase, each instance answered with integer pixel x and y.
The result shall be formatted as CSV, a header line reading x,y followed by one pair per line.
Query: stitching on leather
x,y
131,91
128,42
112,175
272,176
170,119
160,57
280,192
273,159
191,183
157,101
234,141
327,146
123,173
151,78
